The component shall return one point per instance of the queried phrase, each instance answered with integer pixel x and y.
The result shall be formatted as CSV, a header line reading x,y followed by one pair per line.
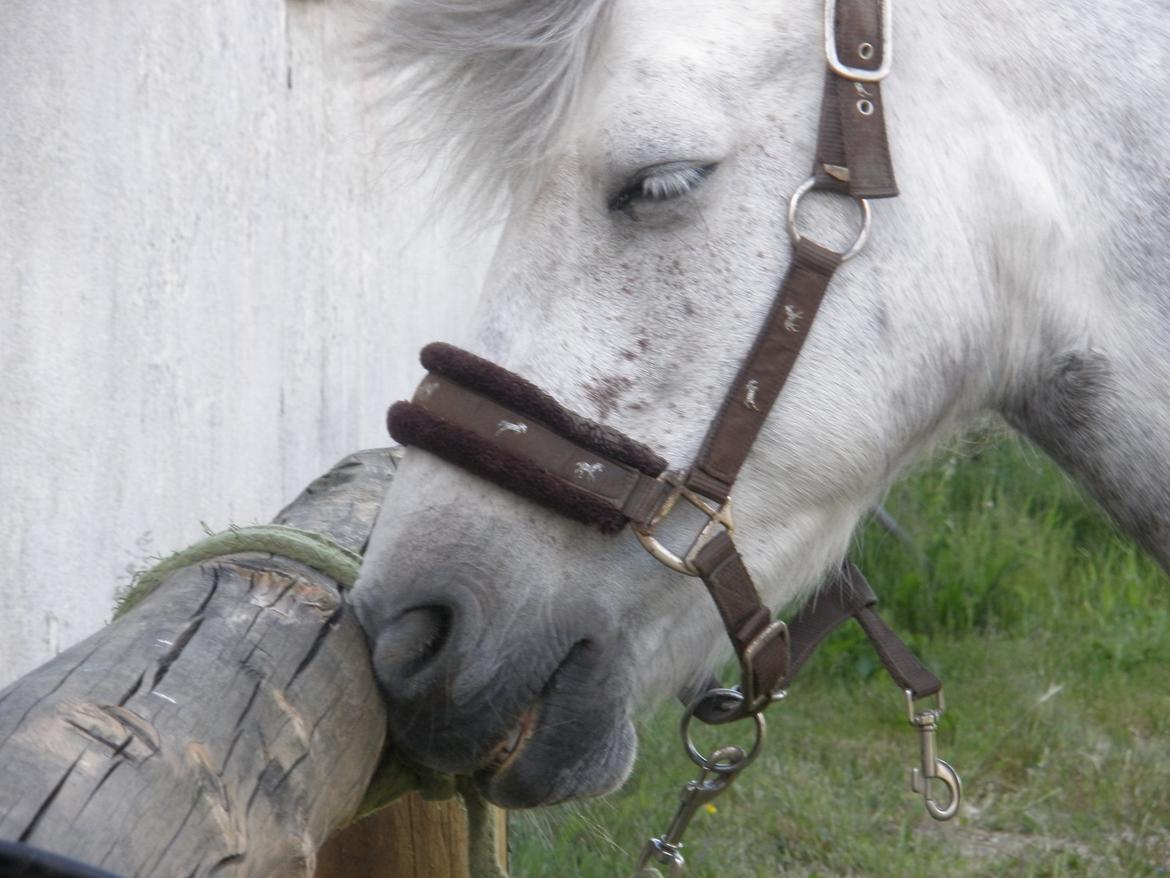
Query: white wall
x,y
211,285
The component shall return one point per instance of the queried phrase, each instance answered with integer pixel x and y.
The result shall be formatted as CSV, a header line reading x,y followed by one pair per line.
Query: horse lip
x,y
509,748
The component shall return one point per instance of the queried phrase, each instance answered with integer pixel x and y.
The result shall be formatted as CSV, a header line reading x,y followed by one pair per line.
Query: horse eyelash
x,y
662,184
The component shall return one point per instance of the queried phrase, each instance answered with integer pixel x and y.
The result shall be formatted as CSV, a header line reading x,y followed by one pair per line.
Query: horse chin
x,y
545,766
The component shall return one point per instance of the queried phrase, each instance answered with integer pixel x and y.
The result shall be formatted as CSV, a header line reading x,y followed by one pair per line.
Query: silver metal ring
x,y
862,203
713,765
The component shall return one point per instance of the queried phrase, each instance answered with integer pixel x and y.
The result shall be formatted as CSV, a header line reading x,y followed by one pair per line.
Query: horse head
x,y
651,148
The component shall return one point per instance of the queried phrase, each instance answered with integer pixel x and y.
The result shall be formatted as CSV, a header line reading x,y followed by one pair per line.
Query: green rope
x,y
481,832
395,776
311,549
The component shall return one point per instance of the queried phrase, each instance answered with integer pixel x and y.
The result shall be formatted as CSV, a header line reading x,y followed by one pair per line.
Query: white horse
x,y
648,149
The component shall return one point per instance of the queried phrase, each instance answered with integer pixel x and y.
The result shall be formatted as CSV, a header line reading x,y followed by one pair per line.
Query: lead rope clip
x,y
666,850
933,768
719,771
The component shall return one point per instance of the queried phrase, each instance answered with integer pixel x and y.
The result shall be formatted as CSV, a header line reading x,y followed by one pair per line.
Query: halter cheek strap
x,y
764,372
492,422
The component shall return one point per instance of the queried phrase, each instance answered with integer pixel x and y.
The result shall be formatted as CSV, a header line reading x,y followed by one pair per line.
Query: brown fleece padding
x,y
509,389
411,424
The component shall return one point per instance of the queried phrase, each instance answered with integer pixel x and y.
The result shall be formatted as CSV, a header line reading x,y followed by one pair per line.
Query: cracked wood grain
x,y
173,742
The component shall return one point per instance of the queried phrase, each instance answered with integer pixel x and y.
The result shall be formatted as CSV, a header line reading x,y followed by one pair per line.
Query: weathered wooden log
x,y
412,837
226,726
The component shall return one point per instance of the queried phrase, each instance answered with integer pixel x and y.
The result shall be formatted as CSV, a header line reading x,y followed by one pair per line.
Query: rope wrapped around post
x,y
395,775
228,719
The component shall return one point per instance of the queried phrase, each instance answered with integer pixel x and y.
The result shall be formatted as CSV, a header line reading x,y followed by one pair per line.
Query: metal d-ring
x,y
718,515
712,764
794,204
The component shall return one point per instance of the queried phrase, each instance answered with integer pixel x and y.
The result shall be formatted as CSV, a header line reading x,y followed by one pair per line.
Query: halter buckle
x,y
718,515
755,701
832,53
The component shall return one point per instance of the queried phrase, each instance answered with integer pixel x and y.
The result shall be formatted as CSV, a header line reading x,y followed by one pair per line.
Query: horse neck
x,y
1100,410
1077,239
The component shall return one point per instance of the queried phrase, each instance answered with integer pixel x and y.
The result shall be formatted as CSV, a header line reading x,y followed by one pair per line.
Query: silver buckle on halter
x,y
859,74
757,701
718,515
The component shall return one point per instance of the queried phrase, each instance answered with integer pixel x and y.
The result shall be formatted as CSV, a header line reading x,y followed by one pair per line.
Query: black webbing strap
x,y
847,595
853,153
853,157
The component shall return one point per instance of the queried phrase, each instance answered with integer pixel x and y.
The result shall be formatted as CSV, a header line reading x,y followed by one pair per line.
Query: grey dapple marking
x,y
1024,271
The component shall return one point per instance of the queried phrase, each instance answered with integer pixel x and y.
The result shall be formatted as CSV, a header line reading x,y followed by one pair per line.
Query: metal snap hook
x,y
933,768
920,783
666,850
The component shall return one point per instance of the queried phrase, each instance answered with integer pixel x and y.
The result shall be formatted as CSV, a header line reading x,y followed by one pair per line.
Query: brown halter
x,y
494,423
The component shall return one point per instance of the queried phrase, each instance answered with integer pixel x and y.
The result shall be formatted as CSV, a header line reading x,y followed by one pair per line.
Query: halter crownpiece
x,y
480,416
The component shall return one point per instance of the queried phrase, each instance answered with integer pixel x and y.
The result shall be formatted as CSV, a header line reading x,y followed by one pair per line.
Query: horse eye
x,y
662,183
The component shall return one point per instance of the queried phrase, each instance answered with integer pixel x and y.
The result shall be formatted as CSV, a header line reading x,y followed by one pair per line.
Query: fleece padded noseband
x,y
522,396
489,421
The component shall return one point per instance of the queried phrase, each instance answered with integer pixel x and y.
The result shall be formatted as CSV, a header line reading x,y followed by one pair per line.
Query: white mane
x,y
488,83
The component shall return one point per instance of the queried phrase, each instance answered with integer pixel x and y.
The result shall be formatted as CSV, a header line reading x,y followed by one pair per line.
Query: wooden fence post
x,y
410,837
226,725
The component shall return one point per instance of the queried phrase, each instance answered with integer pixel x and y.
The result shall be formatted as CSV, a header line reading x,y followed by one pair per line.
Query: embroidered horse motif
x,y
588,471
749,398
792,318
510,427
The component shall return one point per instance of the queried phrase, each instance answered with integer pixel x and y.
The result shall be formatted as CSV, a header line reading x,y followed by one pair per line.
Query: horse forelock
x,y
487,86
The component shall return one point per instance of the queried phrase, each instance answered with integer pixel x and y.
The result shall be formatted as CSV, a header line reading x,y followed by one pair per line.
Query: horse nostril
x,y
413,640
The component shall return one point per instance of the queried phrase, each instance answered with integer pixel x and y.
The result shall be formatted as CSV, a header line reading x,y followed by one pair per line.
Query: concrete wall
x,y
211,285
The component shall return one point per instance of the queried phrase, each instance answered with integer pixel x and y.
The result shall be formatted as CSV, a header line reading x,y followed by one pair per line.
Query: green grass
x,y
1052,633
